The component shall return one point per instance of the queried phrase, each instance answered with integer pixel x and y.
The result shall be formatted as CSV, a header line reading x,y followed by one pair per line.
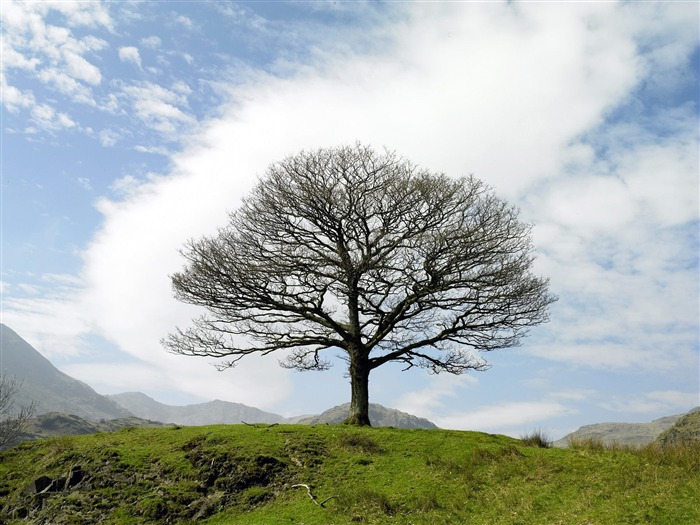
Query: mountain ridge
x,y
612,433
51,389
226,412
206,413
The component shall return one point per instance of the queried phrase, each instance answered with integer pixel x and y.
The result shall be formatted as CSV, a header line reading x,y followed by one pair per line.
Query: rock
x,y
56,485
685,430
75,476
40,484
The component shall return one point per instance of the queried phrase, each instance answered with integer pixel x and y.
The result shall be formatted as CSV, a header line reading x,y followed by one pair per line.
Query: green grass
x,y
287,474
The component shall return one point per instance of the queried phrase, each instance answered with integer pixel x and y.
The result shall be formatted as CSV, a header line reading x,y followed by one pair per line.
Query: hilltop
x,y
340,475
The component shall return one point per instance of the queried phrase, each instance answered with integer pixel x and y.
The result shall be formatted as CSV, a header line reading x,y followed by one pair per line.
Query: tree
x,y
364,252
12,422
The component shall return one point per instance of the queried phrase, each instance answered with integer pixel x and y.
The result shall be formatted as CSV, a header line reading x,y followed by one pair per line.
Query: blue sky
x,y
129,127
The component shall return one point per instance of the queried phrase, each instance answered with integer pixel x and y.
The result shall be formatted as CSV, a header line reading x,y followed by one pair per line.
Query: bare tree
x,y
12,421
361,251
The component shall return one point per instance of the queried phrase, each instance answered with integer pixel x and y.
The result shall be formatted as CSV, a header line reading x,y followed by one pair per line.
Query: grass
x,y
280,475
538,438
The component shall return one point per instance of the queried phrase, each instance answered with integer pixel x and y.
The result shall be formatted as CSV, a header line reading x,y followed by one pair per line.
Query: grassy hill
x,y
295,474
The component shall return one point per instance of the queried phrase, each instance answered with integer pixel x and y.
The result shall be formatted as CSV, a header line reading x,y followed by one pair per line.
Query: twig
x,y
313,498
260,425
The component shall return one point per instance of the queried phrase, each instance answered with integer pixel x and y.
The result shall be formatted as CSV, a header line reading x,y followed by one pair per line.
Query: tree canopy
x,y
353,250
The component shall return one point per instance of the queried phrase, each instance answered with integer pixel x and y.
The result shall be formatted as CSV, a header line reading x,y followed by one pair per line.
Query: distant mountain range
x,y
624,433
58,394
215,412
66,405
210,413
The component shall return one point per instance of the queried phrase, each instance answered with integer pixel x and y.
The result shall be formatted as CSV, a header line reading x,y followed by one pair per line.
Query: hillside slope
x,y
51,389
339,475
686,429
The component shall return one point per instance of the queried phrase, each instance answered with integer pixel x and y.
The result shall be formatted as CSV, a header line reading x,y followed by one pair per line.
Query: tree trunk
x,y
359,383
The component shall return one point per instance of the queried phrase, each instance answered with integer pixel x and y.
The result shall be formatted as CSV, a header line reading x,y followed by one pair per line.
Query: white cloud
x,y
502,417
182,88
125,185
47,118
657,401
82,69
53,324
511,92
431,400
186,22
15,99
52,53
109,137
64,279
580,394
155,150
84,182
130,54
157,107
151,42
67,85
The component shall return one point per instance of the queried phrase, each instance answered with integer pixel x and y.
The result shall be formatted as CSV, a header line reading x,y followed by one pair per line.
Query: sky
x,y
130,127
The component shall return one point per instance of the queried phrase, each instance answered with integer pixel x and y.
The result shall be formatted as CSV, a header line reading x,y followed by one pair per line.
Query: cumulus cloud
x,y
186,22
428,401
47,118
152,42
130,54
53,54
656,401
159,108
15,99
108,137
503,417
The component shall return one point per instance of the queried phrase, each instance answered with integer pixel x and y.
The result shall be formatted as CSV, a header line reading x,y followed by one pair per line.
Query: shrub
x,y
537,438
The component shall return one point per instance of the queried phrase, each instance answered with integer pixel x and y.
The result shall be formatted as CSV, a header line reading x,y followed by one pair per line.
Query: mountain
x,y
209,413
622,433
379,416
51,389
224,412
686,429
